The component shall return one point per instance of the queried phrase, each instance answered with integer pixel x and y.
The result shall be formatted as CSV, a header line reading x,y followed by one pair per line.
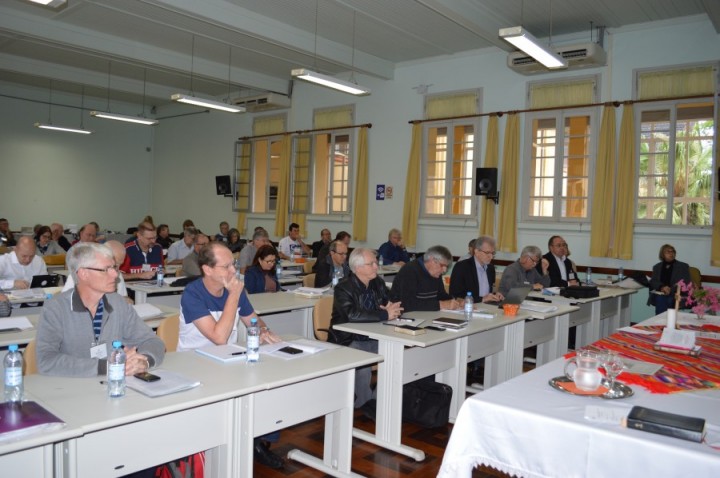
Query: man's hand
x,y
393,309
497,297
21,284
450,304
268,337
135,362
234,285
545,266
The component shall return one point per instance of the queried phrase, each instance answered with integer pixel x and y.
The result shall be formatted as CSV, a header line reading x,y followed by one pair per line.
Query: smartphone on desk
x,y
147,377
290,350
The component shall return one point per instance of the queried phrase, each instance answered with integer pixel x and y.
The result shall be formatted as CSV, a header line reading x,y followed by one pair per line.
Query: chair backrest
x,y
54,260
169,332
29,357
309,280
696,277
322,313
308,267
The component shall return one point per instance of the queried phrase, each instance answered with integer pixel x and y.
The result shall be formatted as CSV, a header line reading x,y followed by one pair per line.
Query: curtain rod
x,y
305,131
554,108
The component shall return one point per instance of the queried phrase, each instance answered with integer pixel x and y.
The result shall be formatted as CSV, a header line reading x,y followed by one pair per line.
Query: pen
x,y
238,353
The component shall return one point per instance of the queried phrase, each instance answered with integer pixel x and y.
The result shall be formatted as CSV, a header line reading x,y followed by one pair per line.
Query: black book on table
x,y
665,423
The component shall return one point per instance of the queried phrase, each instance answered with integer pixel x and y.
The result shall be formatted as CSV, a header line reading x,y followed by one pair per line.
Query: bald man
x,y
118,251
18,267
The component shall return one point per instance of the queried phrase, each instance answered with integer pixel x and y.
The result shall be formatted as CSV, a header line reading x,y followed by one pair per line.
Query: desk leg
x,y
242,460
309,328
507,363
589,332
388,420
140,296
552,349
625,310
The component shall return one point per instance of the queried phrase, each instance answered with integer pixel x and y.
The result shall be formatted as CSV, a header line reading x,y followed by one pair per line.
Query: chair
x,y
322,313
54,260
309,280
696,277
30,359
308,267
169,332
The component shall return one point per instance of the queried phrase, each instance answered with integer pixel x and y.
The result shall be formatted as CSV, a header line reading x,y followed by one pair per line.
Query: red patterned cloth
x,y
679,373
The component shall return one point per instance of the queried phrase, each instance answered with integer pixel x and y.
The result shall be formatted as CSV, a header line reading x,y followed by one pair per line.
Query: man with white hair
x,y
118,252
70,345
18,267
58,235
523,273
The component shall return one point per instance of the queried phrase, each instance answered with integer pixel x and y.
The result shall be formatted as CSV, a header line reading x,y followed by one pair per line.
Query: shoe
x,y
265,457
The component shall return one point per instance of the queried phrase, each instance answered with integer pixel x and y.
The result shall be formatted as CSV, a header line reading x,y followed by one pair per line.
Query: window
x,y
448,169
675,163
257,174
332,173
560,163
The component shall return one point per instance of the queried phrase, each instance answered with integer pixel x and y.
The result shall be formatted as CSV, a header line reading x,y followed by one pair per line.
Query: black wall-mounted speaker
x,y
223,186
486,182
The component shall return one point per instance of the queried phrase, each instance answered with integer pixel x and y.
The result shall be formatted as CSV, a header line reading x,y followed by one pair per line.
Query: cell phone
x,y
432,327
147,377
409,327
290,350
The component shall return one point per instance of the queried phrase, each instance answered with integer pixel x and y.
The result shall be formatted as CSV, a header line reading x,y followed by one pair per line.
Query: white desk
x,y
34,305
523,427
285,312
235,403
149,291
444,354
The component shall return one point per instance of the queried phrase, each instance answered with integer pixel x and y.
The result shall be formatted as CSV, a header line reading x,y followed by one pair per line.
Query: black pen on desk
x,y
238,353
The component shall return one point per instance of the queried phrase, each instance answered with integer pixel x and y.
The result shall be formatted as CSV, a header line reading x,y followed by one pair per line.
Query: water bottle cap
x,y
117,344
469,293
253,321
13,348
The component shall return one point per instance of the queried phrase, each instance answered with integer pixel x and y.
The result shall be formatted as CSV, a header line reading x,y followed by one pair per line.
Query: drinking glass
x,y
613,365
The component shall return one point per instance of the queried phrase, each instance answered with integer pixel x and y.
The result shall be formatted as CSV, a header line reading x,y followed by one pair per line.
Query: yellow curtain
x,y
622,247
268,125
487,206
507,227
333,117
411,208
446,106
567,93
242,185
283,199
679,82
715,242
360,206
603,188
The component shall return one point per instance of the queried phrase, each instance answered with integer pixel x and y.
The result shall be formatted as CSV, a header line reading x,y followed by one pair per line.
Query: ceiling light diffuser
x,y
329,82
524,41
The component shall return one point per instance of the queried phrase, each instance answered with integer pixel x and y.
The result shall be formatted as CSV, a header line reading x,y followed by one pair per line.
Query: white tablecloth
x,y
526,428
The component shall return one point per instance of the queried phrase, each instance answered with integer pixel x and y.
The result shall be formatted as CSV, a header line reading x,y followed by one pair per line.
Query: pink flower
x,y
701,299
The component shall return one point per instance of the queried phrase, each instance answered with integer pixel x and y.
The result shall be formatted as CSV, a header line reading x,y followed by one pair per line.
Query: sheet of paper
x,y
609,415
20,322
147,311
641,368
683,339
635,330
707,335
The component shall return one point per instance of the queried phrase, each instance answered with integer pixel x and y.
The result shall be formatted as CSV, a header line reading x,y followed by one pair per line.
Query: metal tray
x,y
620,390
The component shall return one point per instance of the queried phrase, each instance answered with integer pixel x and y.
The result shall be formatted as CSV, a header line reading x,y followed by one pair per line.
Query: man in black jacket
x,y
559,267
362,297
476,274
335,261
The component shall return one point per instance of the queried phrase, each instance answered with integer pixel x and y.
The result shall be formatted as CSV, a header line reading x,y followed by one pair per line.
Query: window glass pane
x,y
542,167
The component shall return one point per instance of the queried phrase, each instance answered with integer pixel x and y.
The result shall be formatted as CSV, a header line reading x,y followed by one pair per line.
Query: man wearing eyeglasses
x,y
523,273
77,327
419,284
336,260
118,251
191,264
18,267
559,267
476,274
143,255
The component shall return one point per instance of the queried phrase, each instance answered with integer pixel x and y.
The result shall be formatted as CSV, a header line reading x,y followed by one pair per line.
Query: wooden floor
x,y
367,460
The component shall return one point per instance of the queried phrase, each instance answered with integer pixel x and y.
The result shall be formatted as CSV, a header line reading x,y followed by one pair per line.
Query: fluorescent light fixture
x,y
128,119
216,105
523,40
329,81
62,128
50,3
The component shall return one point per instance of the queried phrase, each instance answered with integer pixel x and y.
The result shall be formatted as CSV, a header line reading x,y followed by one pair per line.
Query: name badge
x,y
98,351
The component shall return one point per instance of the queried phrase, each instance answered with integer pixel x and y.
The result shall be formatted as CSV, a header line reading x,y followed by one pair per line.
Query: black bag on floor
x,y
427,403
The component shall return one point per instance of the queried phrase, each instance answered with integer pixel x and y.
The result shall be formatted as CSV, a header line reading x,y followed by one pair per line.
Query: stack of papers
x,y
170,382
147,311
20,294
223,353
308,347
310,291
537,306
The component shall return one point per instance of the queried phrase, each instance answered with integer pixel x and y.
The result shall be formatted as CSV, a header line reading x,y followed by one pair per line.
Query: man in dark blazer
x,y
476,274
557,260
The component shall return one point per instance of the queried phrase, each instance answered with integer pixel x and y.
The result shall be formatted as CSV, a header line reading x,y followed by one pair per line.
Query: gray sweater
x,y
65,335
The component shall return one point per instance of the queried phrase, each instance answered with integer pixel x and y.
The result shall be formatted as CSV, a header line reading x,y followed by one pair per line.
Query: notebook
x,y
20,420
49,280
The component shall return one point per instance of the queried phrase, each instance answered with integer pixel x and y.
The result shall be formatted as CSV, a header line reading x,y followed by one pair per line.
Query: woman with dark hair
x,y
260,276
665,276
234,242
163,236
45,246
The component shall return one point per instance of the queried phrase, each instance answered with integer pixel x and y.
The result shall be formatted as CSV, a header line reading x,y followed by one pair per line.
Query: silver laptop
x,y
514,296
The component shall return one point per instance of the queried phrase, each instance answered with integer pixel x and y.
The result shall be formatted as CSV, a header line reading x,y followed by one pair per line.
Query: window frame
x,y
253,174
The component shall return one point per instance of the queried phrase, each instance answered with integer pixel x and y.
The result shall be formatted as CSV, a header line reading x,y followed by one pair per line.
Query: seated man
x,y
143,255
18,267
393,251
362,297
292,244
419,284
180,249
191,265
260,238
6,236
222,236
324,241
209,311
559,267
87,233
337,260
58,235
68,344
5,306
118,252
477,274
523,273
342,236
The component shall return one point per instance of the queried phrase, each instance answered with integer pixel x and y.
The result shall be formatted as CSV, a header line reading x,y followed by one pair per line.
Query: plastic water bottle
x,y
13,375
588,276
278,269
160,276
116,371
253,341
337,275
621,273
381,262
469,304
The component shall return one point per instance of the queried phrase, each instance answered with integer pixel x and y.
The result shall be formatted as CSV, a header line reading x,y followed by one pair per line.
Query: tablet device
x,y
49,280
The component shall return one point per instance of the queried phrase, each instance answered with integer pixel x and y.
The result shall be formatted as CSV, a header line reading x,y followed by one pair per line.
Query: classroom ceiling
x,y
146,50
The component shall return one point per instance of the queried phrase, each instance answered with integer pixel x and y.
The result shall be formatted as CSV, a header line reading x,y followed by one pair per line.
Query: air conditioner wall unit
x,y
266,102
585,55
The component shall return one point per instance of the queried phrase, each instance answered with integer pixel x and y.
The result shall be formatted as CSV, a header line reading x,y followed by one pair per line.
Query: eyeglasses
x,y
104,270
226,266
46,236
200,244
269,261
339,253
444,265
489,253
371,264
534,261
562,244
